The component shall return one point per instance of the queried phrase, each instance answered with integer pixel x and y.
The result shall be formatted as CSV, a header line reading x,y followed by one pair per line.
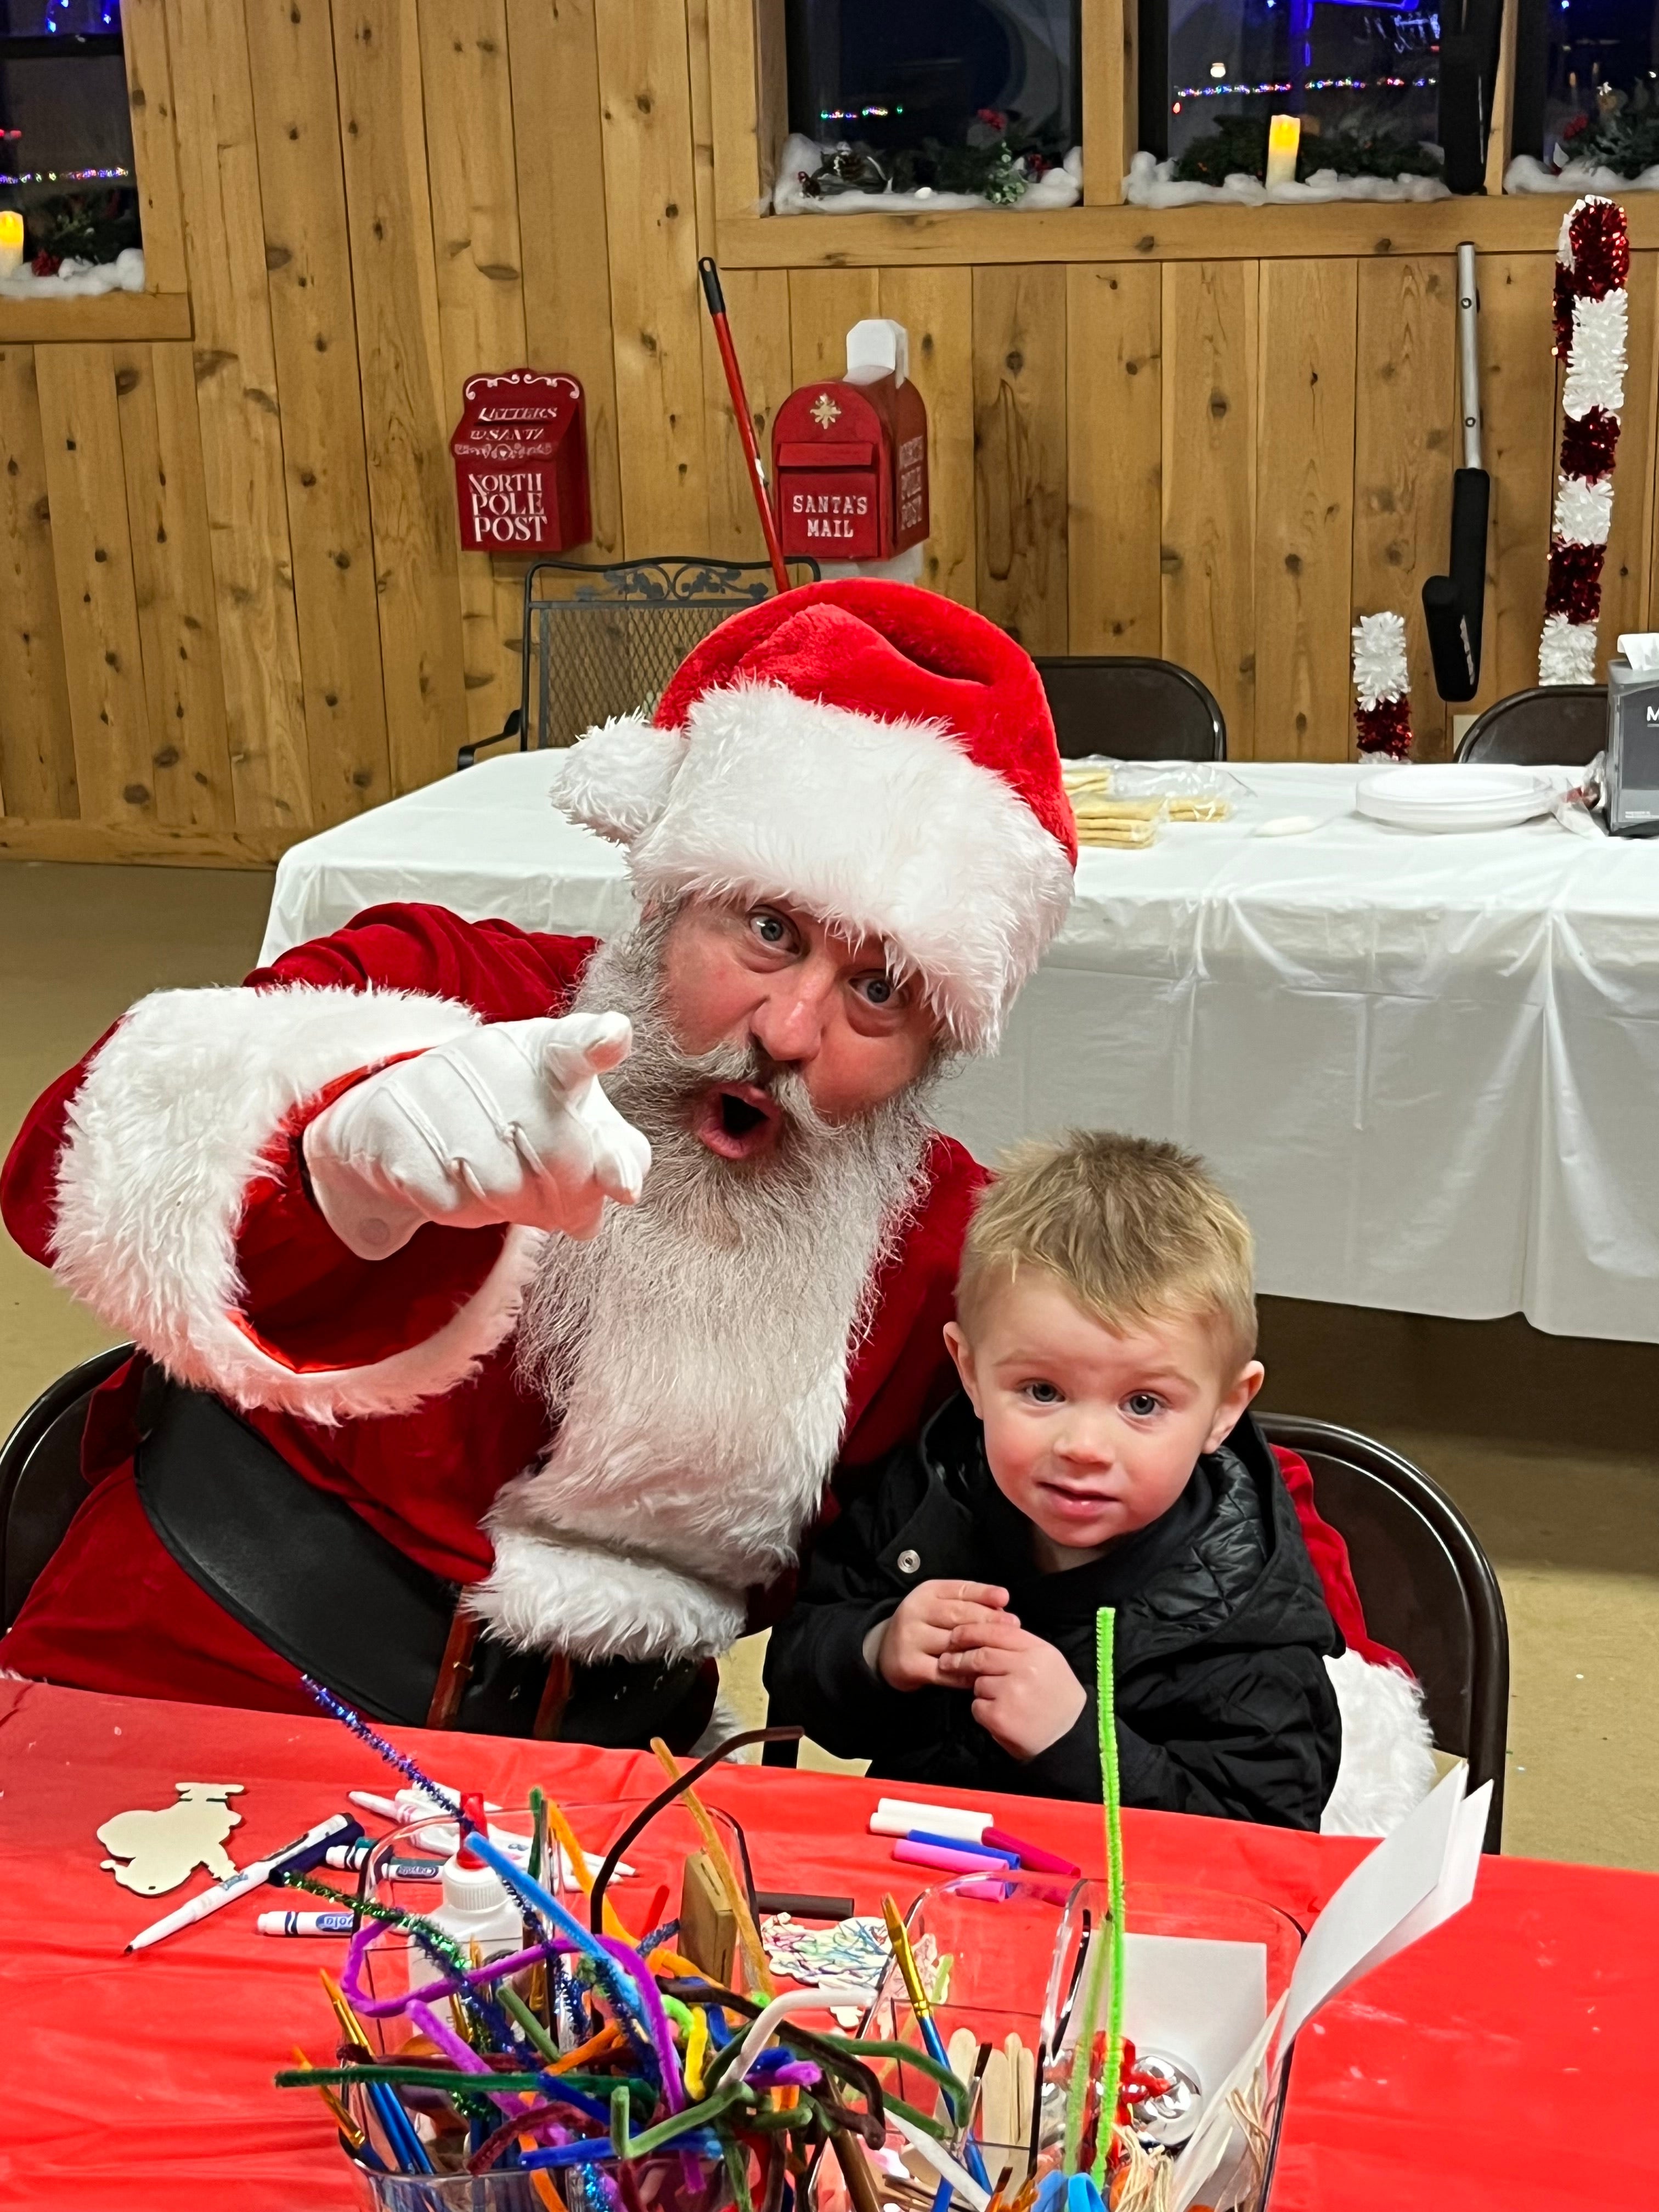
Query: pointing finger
x,y
586,1045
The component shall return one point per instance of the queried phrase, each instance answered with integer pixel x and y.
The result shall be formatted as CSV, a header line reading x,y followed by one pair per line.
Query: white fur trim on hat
x,y
167,1133
887,829
617,779
1388,1752
594,1603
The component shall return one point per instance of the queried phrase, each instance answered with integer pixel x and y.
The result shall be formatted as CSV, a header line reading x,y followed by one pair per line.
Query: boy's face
x,y
1090,1434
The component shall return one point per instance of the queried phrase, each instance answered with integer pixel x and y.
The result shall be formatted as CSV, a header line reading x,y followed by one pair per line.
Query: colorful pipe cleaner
x,y
1381,682
1592,316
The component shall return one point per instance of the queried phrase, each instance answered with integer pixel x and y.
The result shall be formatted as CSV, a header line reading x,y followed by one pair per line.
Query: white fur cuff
x,y
595,1604
1388,1751
166,1134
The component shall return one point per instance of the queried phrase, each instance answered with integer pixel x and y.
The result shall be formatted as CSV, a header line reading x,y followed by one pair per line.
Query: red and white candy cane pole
x,y
709,272
1592,321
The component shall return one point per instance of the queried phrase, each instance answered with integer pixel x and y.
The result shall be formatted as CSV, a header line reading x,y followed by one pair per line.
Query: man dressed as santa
x,y
493,1282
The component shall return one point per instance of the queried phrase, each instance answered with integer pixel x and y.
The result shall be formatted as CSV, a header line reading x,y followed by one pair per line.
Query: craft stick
x,y
754,1950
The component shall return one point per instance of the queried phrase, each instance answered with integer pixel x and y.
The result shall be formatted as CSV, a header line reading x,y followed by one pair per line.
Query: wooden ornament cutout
x,y
164,1849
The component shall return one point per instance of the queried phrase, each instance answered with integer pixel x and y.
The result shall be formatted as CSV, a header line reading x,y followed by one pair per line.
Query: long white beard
x,y
695,1355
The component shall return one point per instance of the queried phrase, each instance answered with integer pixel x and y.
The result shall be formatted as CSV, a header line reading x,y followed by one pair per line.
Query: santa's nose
x,y
789,1024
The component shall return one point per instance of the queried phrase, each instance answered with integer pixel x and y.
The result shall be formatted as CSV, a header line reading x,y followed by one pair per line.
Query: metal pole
x,y
1468,354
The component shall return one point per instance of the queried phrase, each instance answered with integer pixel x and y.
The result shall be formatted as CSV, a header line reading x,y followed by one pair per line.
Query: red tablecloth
x,y
1509,2062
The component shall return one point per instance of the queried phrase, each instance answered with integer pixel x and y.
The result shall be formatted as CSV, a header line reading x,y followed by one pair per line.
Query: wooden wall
x,y
232,607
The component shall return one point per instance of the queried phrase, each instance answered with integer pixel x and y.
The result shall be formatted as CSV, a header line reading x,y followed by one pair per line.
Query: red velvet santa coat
x,y
162,1180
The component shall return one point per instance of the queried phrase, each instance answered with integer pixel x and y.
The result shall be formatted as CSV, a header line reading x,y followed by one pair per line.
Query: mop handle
x,y
709,272
1468,355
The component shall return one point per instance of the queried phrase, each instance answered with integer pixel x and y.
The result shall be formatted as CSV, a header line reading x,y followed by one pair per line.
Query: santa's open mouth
x,y
736,1119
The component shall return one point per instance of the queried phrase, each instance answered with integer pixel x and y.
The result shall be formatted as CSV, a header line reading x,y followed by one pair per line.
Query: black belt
x,y
313,1581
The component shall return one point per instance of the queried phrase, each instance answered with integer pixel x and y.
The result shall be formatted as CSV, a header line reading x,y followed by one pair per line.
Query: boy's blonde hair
x,y
1135,1231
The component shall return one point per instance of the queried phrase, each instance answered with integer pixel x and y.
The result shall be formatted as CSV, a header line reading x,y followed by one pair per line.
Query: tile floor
x,y
1546,1443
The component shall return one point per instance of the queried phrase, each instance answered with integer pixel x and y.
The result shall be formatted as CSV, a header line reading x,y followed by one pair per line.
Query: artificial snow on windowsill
x,y
1151,183
78,280
1060,187
1527,174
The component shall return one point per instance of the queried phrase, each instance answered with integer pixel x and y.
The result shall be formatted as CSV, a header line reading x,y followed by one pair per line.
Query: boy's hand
x,y
907,1647
1026,1696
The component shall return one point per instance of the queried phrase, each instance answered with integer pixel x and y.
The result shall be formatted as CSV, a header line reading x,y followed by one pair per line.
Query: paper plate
x,y
1454,795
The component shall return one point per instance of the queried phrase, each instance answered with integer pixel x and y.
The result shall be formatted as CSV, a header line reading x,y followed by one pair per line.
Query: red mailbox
x,y
849,456
520,455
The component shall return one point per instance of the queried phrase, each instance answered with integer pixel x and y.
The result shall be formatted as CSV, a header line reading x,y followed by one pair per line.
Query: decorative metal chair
x,y
1560,725
1132,706
1427,1588
604,640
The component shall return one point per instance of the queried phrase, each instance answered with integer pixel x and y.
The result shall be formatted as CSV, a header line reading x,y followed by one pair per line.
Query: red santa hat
x,y
866,750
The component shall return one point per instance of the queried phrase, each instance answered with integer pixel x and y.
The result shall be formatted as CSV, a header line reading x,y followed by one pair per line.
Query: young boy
x,y
1100,1454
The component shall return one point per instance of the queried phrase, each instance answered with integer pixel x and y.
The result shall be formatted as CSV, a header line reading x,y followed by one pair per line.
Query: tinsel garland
x,y
1382,679
1592,309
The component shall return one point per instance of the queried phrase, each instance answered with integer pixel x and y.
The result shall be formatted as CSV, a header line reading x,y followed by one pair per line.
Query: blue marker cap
x,y
962,1844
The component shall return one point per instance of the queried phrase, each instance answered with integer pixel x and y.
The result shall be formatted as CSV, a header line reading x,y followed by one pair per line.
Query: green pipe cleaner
x,y
1111,1800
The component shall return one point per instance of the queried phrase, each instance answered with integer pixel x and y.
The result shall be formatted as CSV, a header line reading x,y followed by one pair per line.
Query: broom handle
x,y
709,272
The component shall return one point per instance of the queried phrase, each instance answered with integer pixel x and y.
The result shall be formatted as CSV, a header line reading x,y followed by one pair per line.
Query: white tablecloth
x,y
1427,1066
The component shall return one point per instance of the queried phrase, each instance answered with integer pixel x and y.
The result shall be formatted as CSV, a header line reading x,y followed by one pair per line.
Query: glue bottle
x,y
477,1908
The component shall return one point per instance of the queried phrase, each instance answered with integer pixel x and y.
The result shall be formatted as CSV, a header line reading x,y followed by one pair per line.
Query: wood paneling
x,y
936,307
1626,579
155,158
1019,434
172,586
644,107
562,229
1114,422
37,752
1208,559
92,549
1212,433
1406,446
411,487
240,415
475,230
1304,509
1517,446
313,332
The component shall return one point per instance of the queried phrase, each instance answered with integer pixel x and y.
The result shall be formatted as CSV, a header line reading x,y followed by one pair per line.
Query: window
x,y
924,85
65,132
1585,83
1359,73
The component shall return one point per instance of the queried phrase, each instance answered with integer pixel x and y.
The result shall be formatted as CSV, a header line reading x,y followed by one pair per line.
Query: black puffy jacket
x,y
1223,1702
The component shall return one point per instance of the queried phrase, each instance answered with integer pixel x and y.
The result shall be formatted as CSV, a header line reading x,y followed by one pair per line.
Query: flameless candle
x,y
11,241
1284,137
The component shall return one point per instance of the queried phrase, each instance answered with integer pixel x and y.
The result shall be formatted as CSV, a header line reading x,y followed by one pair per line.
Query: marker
x,y
952,1858
350,1857
307,1924
250,1877
1029,1855
897,1816
984,1850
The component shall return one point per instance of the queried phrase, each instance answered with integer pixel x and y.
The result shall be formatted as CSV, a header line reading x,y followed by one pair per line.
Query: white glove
x,y
507,1124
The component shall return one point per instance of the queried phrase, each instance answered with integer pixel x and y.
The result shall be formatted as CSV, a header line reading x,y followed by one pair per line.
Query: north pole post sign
x,y
520,455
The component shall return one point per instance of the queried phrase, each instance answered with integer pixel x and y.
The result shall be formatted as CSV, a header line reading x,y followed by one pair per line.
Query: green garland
x,y
1364,146
998,160
1623,136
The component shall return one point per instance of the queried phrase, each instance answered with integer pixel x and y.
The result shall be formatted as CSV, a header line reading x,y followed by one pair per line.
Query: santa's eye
x,y
877,990
770,928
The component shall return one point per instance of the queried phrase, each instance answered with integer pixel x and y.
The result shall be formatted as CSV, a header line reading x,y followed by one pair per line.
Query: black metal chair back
x,y
41,1486
1560,725
1427,1588
1131,708
604,640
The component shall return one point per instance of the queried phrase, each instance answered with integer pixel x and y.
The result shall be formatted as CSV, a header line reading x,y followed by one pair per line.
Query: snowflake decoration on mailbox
x,y
520,455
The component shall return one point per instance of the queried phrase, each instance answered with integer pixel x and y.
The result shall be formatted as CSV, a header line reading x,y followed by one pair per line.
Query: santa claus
x,y
490,1281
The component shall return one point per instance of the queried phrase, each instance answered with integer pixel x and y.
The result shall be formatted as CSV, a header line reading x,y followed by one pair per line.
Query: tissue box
x,y
1631,779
